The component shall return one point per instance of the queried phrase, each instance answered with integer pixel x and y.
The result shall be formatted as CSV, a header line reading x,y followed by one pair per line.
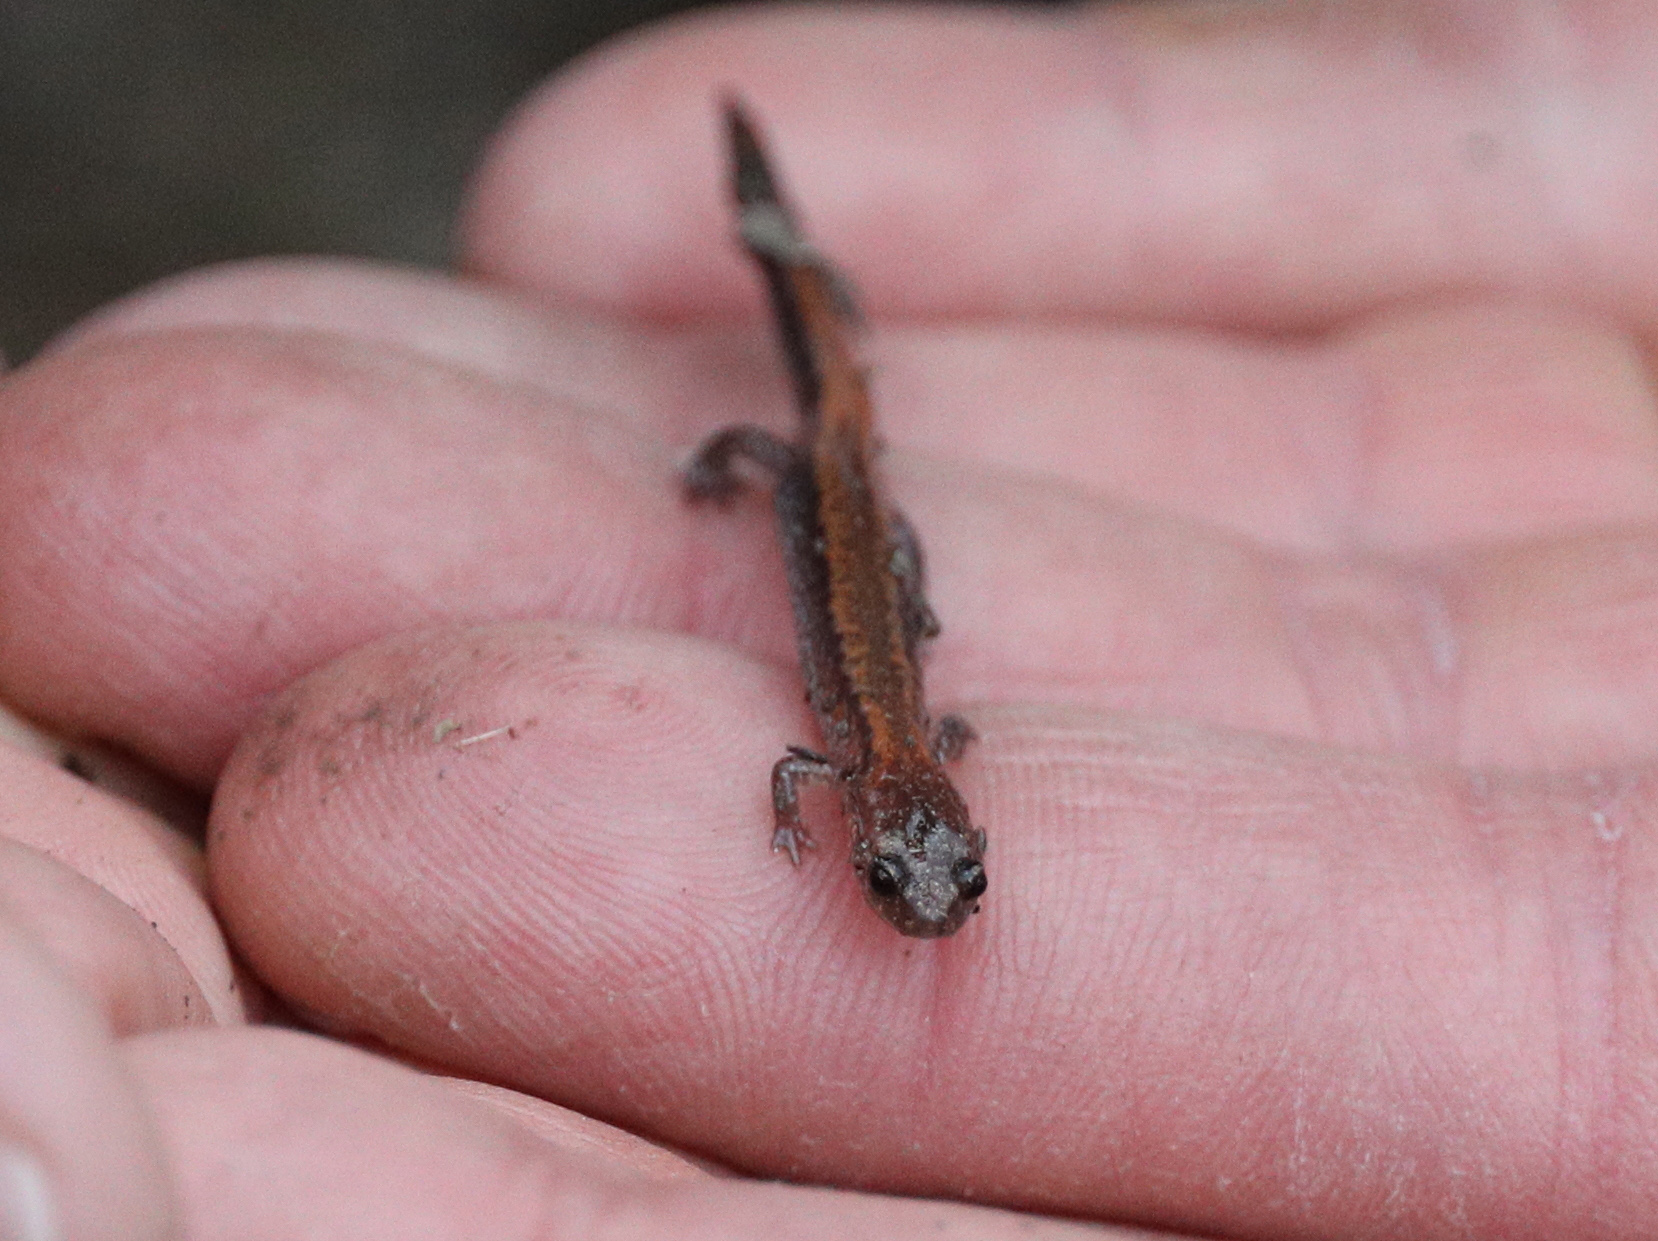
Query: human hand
x,y
1270,393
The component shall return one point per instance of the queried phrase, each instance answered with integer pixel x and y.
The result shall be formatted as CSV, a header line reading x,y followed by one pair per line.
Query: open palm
x,y
1270,389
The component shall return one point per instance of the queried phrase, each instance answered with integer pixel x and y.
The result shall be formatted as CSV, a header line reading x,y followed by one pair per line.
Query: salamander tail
x,y
751,179
767,226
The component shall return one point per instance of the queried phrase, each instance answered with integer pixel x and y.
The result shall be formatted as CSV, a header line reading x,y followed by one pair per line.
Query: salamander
x,y
855,578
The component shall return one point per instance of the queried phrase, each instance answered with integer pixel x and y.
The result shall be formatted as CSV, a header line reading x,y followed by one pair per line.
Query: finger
x,y
235,476
1418,429
298,497
1209,968
671,381
145,903
103,947
1244,166
78,1157
318,1140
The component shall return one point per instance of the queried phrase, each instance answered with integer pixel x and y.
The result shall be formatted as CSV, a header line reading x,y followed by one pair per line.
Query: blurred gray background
x,y
142,137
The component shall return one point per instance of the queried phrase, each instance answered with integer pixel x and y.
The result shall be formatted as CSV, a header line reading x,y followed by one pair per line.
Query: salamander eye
x,y
970,878
885,877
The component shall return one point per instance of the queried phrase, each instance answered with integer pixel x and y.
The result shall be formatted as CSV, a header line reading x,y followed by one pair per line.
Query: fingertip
x,y
106,949
557,797
198,516
77,1146
609,184
120,895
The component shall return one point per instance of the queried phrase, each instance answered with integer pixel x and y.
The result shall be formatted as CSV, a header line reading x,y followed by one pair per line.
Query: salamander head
x,y
924,872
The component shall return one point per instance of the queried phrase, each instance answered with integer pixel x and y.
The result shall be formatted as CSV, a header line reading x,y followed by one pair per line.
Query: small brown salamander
x,y
855,579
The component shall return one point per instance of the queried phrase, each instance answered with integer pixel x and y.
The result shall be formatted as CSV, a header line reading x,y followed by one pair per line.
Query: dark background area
x,y
143,137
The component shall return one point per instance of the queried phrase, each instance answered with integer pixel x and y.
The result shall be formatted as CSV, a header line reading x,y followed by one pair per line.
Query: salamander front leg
x,y
796,767
950,737
712,474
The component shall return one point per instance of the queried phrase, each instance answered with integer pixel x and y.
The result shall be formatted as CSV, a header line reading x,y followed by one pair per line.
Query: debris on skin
x,y
507,729
111,770
442,730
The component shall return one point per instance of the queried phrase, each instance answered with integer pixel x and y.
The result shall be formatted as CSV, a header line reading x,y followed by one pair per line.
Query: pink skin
x,y
1270,387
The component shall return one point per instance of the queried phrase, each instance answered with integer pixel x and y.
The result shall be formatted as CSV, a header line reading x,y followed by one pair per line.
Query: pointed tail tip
x,y
751,179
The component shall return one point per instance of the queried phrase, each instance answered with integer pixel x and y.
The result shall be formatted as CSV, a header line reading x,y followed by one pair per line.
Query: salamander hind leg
x,y
950,737
908,567
712,471
795,768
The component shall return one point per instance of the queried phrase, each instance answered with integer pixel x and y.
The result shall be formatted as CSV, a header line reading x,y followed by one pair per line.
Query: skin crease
x,y
1269,385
